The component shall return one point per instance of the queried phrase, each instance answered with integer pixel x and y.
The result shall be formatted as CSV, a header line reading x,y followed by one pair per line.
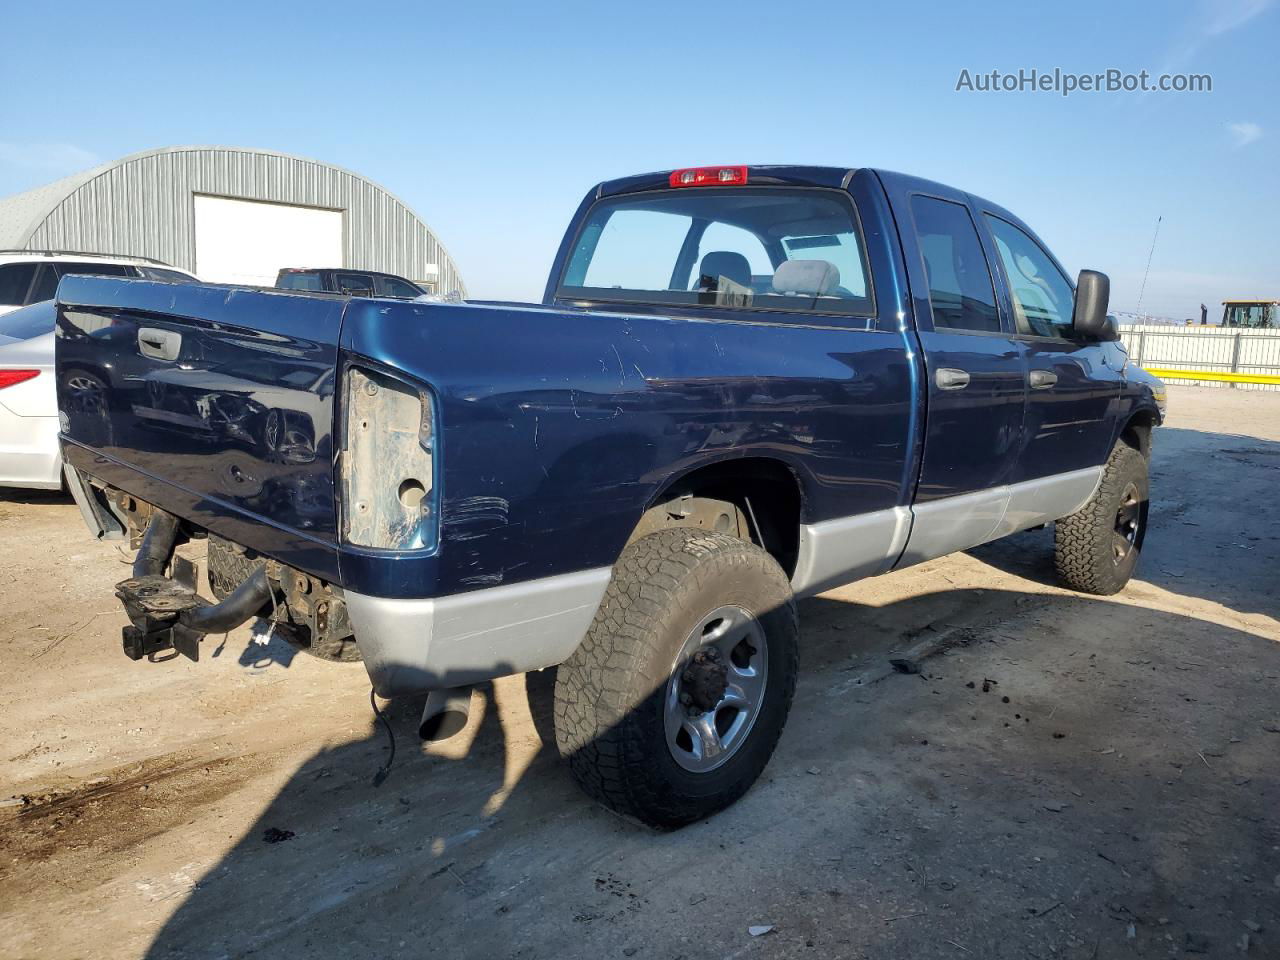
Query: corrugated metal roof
x,y
142,205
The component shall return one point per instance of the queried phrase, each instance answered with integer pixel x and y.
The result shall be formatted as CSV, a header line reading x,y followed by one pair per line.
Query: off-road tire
x,y
1082,550
610,694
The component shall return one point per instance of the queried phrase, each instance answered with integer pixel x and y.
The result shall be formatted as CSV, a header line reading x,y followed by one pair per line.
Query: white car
x,y
29,454
29,276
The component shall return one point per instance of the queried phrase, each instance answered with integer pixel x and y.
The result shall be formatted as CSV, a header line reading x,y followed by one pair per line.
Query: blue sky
x,y
492,119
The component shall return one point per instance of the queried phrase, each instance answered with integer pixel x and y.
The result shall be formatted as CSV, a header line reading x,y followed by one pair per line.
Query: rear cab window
x,y
764,248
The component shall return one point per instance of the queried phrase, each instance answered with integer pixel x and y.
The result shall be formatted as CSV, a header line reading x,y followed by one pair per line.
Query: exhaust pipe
x,y
445,714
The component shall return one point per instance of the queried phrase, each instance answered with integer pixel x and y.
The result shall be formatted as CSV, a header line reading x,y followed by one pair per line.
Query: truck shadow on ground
x,y
492,851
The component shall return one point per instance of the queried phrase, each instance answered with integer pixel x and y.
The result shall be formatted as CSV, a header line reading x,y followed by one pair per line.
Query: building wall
x,y
143,206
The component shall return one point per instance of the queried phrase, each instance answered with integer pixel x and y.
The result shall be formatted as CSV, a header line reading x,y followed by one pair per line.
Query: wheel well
x,y
764,496
1137,432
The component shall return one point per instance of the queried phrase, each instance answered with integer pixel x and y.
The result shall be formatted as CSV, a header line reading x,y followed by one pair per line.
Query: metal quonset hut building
x,y
229,215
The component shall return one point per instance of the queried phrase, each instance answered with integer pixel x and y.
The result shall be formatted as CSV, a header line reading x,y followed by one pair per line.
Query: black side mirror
x,y
1089,319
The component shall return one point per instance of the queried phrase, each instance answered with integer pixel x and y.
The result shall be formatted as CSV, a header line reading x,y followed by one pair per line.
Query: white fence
x,y
1217,349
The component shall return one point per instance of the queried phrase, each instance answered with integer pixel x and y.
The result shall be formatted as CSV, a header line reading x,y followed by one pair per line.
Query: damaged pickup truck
x,y
744,385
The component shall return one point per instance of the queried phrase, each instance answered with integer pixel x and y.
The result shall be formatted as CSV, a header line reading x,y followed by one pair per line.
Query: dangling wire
x,y
380,777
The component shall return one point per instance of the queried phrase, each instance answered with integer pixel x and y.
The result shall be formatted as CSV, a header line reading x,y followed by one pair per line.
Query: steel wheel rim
x,y
702,740
1128,523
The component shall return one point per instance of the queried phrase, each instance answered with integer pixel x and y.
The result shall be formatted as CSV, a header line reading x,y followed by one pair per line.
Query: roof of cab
x,y
795,175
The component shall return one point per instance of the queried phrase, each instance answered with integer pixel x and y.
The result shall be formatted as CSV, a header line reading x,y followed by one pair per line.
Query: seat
x,y
806,278
722,263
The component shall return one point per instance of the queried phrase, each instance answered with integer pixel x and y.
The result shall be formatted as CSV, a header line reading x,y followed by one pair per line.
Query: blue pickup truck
x,y
745,384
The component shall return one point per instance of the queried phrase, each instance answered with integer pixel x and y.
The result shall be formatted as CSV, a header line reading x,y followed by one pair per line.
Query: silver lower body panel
x,y
411,646
415,645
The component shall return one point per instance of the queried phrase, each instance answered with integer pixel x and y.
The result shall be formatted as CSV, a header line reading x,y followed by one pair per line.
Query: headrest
x,y
806,278
724,263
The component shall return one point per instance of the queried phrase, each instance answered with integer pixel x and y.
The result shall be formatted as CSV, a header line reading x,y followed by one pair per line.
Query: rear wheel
x,y
1096,549
672,705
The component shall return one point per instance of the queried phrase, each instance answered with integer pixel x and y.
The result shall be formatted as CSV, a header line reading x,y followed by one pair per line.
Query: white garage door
x,y
245,241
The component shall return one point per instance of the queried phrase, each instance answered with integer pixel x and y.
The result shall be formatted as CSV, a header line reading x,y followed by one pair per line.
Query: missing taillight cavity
x,y
387,463
9,378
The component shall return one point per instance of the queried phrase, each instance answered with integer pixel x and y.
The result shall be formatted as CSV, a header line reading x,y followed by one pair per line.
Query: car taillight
x,y
9,377
708,177
387,464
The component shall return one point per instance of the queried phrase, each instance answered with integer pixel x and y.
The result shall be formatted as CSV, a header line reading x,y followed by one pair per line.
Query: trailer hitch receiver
x,y
166,612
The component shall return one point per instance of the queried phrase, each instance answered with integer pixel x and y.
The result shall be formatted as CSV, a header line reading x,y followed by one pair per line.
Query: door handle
x,y
160,344
949,378
1042,379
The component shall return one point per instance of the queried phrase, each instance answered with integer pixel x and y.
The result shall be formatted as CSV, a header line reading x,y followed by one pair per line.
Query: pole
x,y
1150,254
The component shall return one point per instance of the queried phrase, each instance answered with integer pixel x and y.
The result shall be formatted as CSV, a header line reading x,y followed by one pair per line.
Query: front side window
x,y
961,294
768,248
1043,300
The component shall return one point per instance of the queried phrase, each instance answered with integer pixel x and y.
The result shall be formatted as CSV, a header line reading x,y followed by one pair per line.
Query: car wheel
x,y
1096,549
672,705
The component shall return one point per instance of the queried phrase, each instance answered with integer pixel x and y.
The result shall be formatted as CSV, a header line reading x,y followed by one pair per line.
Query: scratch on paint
x,y
622,374
484,579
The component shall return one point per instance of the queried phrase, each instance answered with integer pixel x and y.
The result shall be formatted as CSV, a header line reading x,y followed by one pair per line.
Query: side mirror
x,y
1089,319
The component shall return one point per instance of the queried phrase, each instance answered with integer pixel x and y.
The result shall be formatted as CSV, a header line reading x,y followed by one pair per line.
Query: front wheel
x,y
672,705
1096,549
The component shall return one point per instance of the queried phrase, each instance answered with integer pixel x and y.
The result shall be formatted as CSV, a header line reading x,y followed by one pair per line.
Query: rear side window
x,y
46,284
92,269
299,281
15,281
770,248
1043,300
960,290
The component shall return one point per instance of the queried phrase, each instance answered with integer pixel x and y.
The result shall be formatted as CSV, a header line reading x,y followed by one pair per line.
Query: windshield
x,y
769,248
33,321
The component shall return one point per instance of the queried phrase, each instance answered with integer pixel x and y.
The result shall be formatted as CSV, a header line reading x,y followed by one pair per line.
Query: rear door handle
x,y
160,344
949,378
1042,379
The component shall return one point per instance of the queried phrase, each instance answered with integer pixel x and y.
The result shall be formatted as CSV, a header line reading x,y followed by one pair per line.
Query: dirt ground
x,y
1078,778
